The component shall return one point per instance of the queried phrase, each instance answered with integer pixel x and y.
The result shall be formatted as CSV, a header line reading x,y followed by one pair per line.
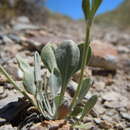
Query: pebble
x,y
125,116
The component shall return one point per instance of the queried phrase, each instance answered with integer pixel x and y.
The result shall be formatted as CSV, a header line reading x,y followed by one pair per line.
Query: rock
x,y
99,85
8,127
110,96
12,97
97,120
125,116
114,100
15,38
122,49
57,124
105,125
104,55
23,26
3,93
99,109
23,19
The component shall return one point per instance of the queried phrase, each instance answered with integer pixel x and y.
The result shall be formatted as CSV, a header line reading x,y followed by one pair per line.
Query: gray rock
x,y
22,26
14,38
7,127
125,116
23,19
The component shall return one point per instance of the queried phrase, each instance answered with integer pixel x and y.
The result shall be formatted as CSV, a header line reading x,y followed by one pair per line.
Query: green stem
x,y
85,55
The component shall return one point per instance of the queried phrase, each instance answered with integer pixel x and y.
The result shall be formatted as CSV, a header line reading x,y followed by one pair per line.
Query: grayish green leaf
x,y
55,82
48,57
88,106
67,56
86,84
28,81
37,67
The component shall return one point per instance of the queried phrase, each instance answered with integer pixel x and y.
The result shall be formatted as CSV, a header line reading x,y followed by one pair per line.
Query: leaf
x,y
28,81
87,83
86,8
81,48
37,67
55,82
24,66
88,106
95,6
67,56
48,57
77,110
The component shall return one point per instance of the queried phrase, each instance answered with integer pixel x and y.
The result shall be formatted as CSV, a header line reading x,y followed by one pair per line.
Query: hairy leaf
x,y
28,81
77,110
37,67
48,57
85,88
67,56
88,106
55,82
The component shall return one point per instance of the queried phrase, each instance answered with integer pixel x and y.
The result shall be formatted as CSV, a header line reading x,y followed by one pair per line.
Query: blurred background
x,y
27,25
111,12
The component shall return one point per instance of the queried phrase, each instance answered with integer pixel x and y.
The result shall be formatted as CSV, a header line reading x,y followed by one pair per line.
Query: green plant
x,y
47,94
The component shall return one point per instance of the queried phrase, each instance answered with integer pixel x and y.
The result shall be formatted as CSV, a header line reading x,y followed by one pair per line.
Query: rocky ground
x,y
109,67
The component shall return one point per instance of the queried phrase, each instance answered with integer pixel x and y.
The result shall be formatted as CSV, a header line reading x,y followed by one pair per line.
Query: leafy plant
x,y
47,94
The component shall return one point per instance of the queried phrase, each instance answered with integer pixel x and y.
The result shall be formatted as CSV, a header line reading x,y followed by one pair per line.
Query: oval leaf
x,y
87,83
55,83
28,81
48,57
67,56
88,106
95,6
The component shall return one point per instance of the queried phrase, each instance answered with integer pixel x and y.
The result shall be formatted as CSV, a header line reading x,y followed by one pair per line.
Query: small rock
x,y
14,38
125,116
22,26
122,49
105,125
23,19
127,129
7,127
97,120
114,100
99,85
99,109
104,55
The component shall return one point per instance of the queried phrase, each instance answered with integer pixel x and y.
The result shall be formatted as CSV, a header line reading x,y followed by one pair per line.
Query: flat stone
x,y
22,26
114,100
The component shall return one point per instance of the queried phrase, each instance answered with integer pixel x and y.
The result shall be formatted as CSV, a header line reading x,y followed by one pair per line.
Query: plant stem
x,y
64,85
85,55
